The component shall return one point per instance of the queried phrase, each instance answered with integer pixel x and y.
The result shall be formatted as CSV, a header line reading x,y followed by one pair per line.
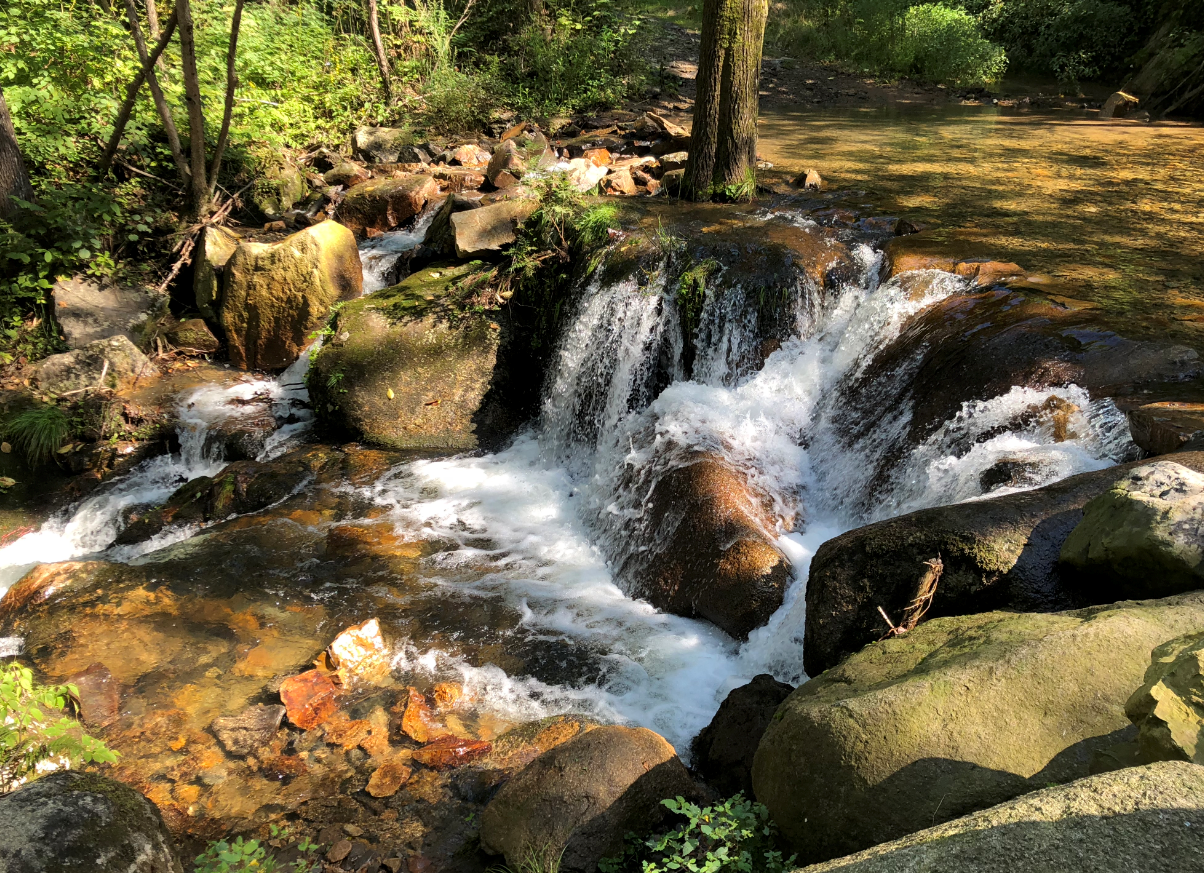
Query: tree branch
x,y
131,94
231,84
169,124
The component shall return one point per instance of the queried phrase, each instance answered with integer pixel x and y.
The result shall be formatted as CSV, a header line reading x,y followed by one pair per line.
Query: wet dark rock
x,y
99,695
998,553
68,821
1161,428
583,797
723,752
194,336
711,551
959,714
255,726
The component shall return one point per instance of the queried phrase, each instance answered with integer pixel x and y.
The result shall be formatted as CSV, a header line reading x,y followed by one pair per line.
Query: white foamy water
x,y
89,528
380,254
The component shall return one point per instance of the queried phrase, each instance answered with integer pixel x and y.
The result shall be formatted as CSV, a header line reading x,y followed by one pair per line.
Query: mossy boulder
x,y
383,204
1143,535
69,821
415,366
114,363
960,714
999,553
1168,708
578,801
280,188
213,252
275,295
1141,818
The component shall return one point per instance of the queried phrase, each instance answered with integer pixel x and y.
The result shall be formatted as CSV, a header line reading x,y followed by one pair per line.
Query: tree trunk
x,y
378,47
196,112
131,94
231,85
14,180
152,26
723,143
169,123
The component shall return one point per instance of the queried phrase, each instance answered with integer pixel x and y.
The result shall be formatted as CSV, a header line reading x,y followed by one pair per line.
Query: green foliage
x,y
692,293
736,836
242,856
930,41
34,732
541,860
38,433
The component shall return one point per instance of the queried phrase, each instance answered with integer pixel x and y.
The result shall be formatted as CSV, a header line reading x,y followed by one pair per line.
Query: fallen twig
x,y
920,603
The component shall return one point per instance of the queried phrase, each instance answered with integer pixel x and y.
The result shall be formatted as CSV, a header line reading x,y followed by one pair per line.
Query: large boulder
x,y
383,204
387,145
723,752
88,311
959,714
481,233
999,553
277,191
579,800
412,367
70,821
1144,534
1162,428
114,363
710,548
1142,818
277,294
210,257
1168,708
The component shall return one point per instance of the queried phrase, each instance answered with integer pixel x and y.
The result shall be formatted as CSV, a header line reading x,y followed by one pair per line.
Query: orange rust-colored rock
x,y
419,722
379,539
359,654
598,157
447,752
987,272
46,580
348,733
387,778
447,694
309,699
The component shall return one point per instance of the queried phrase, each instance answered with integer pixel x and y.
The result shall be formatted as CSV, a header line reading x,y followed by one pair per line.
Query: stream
x,y
535,531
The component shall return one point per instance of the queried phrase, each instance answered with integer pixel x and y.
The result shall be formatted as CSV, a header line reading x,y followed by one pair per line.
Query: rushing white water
x,y
90,527
379,255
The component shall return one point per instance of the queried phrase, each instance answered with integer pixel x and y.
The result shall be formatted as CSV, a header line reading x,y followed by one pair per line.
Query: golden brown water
x,y
1113,209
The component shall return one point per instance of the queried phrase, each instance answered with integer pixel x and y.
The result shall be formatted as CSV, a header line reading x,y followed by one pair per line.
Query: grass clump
x,y
736,836
38,433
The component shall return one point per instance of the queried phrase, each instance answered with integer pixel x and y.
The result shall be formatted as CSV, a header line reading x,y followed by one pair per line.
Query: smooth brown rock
x,y
447,752
99,695
723,752
1162,428
384,204
310,698
506,166
255,726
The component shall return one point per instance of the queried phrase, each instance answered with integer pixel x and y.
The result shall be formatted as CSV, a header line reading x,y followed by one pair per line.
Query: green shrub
x,y
243,856
38,433
457,102
33,732
947,45
736,836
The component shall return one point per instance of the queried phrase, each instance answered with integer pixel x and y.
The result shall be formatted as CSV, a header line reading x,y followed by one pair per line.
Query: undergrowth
x,y
38,433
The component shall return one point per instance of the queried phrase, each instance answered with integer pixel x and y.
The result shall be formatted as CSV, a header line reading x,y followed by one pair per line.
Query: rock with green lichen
x,y
1168,708
114,363
212,253
1144,535
69,821
275,295
281,187
1143,818
959,714
416,366
1000,553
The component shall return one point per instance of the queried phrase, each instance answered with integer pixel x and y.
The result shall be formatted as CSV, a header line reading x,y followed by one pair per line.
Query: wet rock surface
x,y
722,754
69,821
957,715
1162,428
1002,552
384,204
1141,818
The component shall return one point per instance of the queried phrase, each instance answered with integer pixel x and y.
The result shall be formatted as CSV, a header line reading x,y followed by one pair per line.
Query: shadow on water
x,y
1114,210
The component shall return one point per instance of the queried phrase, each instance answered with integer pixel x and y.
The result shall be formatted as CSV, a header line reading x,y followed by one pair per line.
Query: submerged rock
x,y
1142,818
68,821
409,368
578,801
255,726
276,294
723,752
1144,536
998,553
1168,708
385,204
959,714
114,363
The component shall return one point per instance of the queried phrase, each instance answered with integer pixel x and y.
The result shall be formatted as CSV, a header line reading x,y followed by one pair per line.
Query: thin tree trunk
x,y
378,47
131,94
723,143
231,85
196,112
169,123
152,25
14,178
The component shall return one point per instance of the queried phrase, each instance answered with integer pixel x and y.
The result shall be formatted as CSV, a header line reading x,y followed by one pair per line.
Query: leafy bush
x,y
457,102
33,733
38,433
737,836
242,856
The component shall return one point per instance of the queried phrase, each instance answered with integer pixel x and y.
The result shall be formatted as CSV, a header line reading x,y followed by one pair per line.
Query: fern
x,y
38,433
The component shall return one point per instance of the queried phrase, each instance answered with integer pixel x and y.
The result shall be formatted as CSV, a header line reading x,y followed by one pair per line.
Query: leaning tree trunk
x,y
723,143
14,179
378,48
196,112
